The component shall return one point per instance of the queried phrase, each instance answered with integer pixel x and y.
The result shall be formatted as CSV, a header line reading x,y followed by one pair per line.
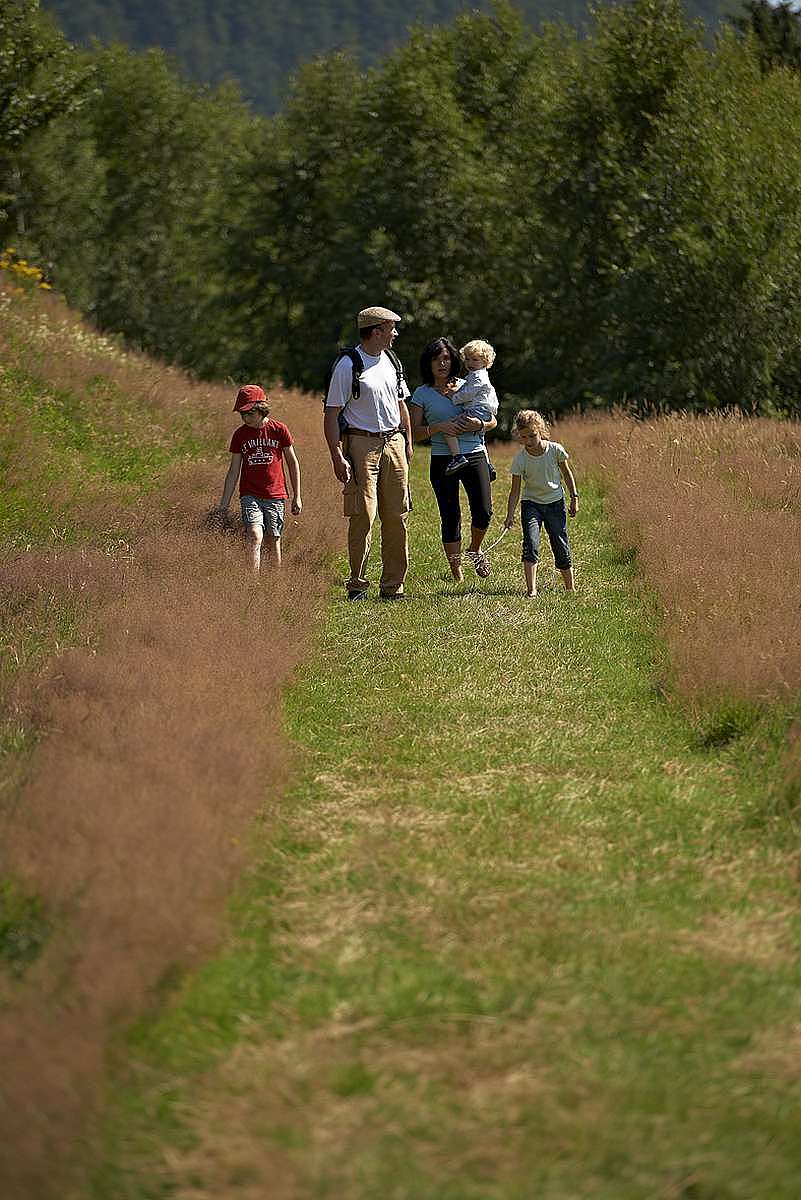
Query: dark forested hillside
x,y
260,42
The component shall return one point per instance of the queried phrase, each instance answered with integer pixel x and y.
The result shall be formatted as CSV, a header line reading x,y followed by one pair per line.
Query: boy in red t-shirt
x,y
257,447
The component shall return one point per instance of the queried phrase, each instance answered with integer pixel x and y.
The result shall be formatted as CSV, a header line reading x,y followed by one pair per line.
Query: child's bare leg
x,y
530,572
453,444
567,575
454,553
272,548
255,534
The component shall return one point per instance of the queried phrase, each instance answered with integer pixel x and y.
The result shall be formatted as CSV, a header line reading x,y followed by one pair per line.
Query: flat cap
x,y
374,316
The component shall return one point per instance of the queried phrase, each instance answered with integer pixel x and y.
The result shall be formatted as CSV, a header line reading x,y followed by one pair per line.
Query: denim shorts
x,y
269,513
554,517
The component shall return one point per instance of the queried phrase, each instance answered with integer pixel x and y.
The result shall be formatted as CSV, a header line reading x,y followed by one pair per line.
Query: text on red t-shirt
x,y
262,450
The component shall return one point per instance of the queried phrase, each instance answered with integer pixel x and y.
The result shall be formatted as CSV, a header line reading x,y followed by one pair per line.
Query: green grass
x,y
522,928
24,927
98,440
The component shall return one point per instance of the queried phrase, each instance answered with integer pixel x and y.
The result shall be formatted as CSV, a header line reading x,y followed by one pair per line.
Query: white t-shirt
x,y
377,409
477,392
540,473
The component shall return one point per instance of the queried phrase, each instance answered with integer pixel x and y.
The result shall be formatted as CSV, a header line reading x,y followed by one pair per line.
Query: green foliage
x,y
776,28
134,200
39,75
24,927
40,78
619,214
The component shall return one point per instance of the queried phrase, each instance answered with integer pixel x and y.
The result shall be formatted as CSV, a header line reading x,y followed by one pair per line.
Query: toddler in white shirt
x,y
476,397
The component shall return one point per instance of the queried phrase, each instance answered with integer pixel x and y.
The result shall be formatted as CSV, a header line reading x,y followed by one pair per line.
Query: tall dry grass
x,y
161,743
713,507
42,335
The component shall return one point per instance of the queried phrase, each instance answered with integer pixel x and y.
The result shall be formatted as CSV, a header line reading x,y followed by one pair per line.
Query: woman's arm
x,y
421,432
474,424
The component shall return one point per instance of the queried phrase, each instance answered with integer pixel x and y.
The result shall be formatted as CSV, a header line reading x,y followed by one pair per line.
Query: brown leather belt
x,y
367,433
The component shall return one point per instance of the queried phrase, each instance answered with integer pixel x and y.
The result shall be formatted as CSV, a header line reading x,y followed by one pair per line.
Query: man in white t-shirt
x,y
370,452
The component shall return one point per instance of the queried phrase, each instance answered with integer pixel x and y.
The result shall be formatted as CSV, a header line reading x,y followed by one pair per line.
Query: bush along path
x,y
524,930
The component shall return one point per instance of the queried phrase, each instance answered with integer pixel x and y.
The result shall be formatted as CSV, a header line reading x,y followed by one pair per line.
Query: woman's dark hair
x,y
431,351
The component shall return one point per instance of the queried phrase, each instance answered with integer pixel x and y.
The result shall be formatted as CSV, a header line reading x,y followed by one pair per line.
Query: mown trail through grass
x,y
520,934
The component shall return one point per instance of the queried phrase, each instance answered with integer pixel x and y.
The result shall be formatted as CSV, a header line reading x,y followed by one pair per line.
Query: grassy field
x,y
127,780
521,928
520,905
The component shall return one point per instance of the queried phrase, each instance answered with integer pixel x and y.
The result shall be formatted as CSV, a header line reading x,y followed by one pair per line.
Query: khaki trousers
x,y
379,486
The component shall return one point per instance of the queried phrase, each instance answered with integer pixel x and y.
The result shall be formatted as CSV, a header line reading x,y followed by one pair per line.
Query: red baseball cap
x,y
249,396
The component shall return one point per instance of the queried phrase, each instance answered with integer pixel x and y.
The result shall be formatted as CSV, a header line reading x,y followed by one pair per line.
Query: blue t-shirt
x,y
436,408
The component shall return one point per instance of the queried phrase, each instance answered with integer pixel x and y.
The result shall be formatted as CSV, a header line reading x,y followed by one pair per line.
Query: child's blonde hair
x,y
529,418
479,349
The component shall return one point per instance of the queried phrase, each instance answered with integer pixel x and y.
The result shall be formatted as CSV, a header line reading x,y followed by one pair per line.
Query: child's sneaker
x,y
456,464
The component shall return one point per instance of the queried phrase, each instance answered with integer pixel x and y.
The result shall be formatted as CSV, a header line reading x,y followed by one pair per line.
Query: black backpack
x,y
358,366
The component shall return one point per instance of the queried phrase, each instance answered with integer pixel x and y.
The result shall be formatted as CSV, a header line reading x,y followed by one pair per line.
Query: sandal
x,y
480,562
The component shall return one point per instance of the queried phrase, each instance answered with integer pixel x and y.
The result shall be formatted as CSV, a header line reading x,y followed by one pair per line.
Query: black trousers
x,y
476,482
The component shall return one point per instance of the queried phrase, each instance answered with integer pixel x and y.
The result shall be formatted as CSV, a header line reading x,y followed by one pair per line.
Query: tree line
x,y
618,214
261,45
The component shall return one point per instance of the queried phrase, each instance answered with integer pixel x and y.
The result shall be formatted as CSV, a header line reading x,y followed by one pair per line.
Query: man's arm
x,y
332,436
406,426
293,470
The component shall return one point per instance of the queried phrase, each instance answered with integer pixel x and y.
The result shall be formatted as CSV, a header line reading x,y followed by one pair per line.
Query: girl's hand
x,y
509,522
573,506
297,507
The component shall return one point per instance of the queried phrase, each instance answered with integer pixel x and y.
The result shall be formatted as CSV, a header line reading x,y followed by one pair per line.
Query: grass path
x,y
518,932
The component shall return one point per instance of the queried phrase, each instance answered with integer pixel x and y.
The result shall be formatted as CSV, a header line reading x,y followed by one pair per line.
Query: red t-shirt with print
x,y
262,450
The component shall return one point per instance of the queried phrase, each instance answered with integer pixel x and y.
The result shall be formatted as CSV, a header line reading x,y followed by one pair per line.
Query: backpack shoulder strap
x,y
357,365
396,362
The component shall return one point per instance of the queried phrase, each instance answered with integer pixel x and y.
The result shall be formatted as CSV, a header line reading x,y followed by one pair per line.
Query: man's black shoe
x,y
357,595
